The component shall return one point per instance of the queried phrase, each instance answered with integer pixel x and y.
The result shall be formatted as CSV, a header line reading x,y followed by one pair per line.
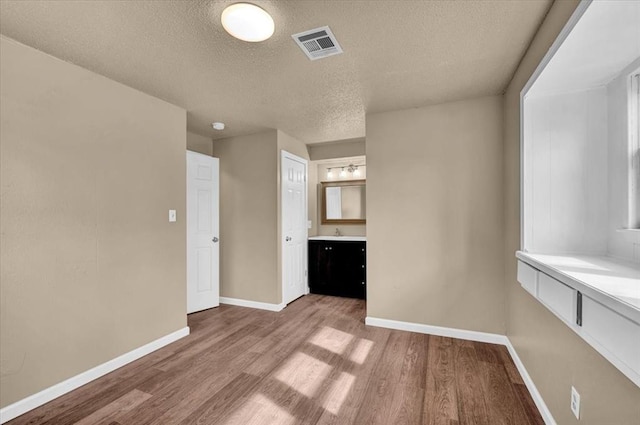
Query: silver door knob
x,y
288,238
215,239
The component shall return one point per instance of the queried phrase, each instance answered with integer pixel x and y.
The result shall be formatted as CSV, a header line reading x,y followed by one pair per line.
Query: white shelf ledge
x,y
612,282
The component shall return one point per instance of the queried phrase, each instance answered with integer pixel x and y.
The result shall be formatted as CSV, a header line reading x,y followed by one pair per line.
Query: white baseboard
x,y
535,395
252,304
437,330
38,399
472,336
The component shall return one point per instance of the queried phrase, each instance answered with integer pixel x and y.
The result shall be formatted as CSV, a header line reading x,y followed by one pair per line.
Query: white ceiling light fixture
x,y
218,126
247,22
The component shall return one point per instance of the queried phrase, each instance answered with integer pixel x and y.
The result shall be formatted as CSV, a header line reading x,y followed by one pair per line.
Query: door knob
x,y
288,238
215,239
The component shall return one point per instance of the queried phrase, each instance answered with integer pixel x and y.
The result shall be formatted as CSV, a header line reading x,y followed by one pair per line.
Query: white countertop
x,y
339,238
610,281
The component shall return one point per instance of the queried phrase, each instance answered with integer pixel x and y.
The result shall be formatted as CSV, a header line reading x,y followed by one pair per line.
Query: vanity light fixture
x,y
353,169
247,22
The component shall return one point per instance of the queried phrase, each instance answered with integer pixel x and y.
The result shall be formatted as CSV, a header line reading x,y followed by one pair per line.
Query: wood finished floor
x,y
313,363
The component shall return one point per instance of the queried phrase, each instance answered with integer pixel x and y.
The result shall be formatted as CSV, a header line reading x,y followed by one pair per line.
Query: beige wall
x,y
291,145
248,215
555,357
434,224
250,225
91,267
337,149
314,199
314,202
198,143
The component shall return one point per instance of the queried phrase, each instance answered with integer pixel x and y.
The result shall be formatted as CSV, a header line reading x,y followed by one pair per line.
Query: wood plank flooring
x,y
313,363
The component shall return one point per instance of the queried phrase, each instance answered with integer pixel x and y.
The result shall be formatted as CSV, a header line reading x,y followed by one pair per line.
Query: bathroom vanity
x,y
338,266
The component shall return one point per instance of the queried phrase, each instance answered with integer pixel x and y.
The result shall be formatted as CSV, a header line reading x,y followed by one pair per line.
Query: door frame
x,y
288,155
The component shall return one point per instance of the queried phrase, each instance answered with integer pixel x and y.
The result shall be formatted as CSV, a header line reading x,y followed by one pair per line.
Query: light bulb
x,y
343,173
329,173
356,172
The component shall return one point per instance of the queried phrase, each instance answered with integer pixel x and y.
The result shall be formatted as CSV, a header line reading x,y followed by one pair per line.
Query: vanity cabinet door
x,y
320,265
350,268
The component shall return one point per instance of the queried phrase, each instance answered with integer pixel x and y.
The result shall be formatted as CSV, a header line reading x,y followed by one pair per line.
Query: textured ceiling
x,y
398,54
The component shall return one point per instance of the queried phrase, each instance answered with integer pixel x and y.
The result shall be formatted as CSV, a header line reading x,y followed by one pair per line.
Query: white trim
x,y
437,330
523,242
38,399
633,146
535,394
471,336
252,304
566,30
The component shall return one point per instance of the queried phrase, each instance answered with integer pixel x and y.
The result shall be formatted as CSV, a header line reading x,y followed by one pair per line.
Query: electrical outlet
x,y
575,402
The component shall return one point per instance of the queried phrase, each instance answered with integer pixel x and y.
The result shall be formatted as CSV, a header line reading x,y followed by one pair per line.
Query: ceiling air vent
x,y
318,43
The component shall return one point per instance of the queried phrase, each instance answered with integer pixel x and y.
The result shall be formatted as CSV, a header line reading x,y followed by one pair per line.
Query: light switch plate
x,y
309,224
172,216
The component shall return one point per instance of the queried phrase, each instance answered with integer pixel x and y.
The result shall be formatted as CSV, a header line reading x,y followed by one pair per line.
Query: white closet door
x,y
294,226
203,247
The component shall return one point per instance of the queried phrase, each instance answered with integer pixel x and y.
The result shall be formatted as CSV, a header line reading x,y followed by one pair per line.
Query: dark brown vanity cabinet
x,y
338,268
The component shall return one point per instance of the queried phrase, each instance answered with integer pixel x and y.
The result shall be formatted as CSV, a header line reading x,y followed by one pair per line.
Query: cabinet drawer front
x,y
528,278
558,297
619,335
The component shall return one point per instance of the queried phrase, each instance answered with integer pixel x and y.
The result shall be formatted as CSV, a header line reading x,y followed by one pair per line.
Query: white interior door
x,y
203,247
294,226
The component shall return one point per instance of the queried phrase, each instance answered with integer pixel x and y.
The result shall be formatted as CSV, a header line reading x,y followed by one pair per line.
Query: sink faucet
x,y
337,232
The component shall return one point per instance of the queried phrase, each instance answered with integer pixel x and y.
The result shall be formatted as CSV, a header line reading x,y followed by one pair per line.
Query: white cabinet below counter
x,y
597,297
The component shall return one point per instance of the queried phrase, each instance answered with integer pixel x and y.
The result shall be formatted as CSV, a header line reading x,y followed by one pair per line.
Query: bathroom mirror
x,y
344,202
